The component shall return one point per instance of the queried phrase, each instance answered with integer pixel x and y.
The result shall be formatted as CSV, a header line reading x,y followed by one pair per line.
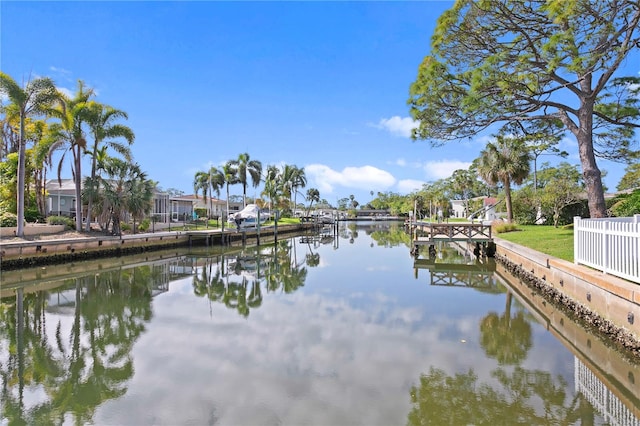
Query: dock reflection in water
x,y
318,329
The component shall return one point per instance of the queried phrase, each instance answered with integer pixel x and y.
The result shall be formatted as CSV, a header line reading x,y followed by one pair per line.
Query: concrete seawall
x,y
607,303
26,253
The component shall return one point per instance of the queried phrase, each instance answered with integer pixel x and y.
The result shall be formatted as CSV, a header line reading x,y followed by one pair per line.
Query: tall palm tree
x,y
208,182
247,168
505,162
271,183
101,119
69,136
41,162
293,178
312,195
36,98
230,175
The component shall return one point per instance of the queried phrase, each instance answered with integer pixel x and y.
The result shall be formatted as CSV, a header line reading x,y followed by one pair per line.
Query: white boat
x,y
326,218
248,217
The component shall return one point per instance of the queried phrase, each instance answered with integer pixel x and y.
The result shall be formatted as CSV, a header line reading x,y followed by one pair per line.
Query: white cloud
x,y
405,186
366,177
445,168
60,70
67,92
398,126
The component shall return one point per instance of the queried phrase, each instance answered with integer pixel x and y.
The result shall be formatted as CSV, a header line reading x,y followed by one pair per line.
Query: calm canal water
x,y
317,330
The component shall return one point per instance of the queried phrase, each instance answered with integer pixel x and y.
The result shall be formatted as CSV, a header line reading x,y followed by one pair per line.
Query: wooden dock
x,y
432,232
478,274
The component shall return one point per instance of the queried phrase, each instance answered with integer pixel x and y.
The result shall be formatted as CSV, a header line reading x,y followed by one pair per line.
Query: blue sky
x,y
321,85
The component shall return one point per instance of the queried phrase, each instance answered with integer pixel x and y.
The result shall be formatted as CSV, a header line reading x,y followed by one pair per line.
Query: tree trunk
x,y
584,136
78,182
590,171
94,165
20,184
507,198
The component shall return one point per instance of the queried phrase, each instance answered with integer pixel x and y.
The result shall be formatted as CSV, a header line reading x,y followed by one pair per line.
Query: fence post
x,y
605,247
576,238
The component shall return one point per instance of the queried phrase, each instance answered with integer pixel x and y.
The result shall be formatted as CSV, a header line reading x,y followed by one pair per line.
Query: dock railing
x,y
611,245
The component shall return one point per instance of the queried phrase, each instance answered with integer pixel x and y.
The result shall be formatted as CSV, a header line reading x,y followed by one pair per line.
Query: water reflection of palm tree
x,y
112,310
505,338
92,365
312,259
238,284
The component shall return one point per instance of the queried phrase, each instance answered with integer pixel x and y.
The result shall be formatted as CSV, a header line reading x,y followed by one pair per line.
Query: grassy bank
x,y
557,242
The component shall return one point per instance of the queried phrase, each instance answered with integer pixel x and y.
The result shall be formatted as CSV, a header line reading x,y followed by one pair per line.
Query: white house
x,y
61,197
487,212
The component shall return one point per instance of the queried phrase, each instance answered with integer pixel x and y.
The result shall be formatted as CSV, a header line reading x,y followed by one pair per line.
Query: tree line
x,y
51,122
507,169
282,184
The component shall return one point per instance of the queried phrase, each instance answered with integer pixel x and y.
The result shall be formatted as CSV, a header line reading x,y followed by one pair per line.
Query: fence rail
x,y
611,245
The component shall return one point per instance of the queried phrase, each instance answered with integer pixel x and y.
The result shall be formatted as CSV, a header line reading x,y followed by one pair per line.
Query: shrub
x,y
502,227
62,220
144,225
33,216
8,220
125,227
200,212
627,206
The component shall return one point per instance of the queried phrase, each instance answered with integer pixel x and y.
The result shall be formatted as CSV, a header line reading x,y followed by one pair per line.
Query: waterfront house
x,y
61,197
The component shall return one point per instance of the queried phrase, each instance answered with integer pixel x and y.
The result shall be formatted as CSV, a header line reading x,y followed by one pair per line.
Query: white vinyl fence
x,y
611,245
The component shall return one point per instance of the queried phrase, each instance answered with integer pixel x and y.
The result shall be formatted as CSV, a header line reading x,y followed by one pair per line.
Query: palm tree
x,y
271,185
230,174
36,98
201,183
505,162
125,188
245,166
41,161
292,179
101,122
69,136
139,196
208,182
312,195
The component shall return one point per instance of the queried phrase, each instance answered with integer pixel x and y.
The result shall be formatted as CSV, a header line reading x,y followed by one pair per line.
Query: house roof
x,y
62,186
195,199
489,201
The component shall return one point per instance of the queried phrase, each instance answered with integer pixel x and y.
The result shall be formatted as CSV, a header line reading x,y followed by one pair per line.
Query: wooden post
x,y
258,229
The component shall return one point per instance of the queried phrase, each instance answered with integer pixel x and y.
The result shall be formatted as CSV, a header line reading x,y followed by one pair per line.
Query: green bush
x,y
627,205
144,225
62,220
125,227
33,216
502,227
8,220
201,212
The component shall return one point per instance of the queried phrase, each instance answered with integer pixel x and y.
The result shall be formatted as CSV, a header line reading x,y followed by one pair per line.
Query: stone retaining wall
x,y
610,304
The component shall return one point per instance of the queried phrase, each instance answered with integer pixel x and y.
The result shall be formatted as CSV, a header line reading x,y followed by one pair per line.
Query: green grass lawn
x,y
557,242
